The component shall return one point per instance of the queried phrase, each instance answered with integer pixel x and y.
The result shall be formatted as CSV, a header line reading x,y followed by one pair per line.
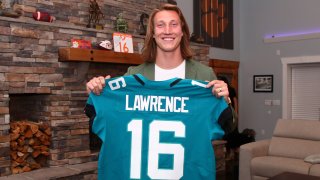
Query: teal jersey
x,y
156,129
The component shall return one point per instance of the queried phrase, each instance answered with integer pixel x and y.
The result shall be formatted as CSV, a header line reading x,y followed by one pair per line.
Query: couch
x,y
292,141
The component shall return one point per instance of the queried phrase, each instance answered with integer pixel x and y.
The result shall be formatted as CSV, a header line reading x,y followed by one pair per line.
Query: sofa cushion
x,y
315,170
268,166
295,138
298,129
293,148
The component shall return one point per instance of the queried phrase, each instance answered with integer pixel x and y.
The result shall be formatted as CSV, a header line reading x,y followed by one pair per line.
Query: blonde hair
x,y
149,52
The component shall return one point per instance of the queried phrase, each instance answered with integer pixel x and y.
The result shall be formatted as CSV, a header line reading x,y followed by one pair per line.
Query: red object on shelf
x,y
80,43
43,16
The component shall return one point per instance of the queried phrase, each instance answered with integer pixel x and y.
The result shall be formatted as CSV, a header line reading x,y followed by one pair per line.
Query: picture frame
x,y
263,83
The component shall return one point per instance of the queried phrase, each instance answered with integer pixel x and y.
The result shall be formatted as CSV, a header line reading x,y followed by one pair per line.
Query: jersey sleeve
x,y
216,130
89,109
99,125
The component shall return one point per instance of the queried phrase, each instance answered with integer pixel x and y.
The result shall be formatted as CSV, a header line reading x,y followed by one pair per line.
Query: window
x,y
301,85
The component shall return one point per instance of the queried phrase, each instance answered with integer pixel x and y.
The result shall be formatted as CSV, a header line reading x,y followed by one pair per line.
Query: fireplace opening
x,y
30,135
30,107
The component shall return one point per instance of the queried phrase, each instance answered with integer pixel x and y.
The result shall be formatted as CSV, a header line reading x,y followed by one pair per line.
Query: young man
x,y
167,54
189,154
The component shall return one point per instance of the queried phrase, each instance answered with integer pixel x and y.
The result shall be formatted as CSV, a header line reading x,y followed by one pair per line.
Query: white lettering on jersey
x,y
157,148
157,103
115,84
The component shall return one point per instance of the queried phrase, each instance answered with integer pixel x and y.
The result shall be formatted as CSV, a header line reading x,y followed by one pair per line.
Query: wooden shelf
x,y
94,55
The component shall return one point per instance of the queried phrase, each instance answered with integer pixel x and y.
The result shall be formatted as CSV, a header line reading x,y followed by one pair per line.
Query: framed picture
x,y
213,22
263,83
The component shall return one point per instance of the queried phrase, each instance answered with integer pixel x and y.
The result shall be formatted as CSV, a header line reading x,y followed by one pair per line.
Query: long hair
x,y
149,51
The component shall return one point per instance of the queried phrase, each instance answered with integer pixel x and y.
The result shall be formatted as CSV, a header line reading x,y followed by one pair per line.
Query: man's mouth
x,y
168,38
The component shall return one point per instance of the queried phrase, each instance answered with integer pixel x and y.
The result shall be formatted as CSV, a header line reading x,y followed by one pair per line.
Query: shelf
x,y
94,55
291,37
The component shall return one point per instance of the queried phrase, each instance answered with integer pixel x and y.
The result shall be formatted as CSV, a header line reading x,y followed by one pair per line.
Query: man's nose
x,y
167,29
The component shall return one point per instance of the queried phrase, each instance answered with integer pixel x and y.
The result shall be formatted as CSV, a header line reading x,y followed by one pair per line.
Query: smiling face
x,y
167,31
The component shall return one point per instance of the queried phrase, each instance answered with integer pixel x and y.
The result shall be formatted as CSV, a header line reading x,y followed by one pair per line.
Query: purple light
x,y
291,34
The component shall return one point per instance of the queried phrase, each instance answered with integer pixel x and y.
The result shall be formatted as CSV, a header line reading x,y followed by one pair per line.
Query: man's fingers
x,y
219,89
214,83
89,87
96,91
96,84
102,81
99,83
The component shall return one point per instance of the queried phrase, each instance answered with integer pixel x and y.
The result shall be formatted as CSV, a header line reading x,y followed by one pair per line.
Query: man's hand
x,y
220,88
96,84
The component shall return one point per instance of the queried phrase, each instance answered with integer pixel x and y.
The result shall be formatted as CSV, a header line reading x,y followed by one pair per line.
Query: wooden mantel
x,y
94,55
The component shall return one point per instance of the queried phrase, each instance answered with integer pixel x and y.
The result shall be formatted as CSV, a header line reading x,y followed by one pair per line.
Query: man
x,y
167,54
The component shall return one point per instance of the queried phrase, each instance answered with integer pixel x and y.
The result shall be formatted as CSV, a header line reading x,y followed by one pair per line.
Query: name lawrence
x,y
157,103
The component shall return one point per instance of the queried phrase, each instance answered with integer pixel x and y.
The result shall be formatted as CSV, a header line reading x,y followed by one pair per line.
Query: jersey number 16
x,y
156,148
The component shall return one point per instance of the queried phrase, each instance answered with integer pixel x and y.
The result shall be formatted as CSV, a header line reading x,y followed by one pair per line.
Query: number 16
x,y
156,148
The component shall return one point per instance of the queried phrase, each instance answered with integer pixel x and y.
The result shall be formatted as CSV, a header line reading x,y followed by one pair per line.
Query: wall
x,y
258,19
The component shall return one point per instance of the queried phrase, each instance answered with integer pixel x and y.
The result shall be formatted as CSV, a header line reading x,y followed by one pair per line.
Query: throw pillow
x,y
313,159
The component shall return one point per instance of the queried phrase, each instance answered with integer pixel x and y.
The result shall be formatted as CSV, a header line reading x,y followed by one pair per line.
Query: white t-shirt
x,y
165,74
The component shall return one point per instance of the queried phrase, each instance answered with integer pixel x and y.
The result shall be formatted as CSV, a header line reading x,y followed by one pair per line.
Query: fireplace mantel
x,y
94,55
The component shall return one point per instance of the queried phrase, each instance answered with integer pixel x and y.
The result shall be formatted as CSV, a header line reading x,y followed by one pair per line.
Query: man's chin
x,y
169,48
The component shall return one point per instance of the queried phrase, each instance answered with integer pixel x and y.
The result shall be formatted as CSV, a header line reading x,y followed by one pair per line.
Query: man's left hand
x,y
220,88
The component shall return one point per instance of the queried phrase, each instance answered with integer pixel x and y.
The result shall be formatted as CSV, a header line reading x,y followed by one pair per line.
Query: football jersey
x,y
156,129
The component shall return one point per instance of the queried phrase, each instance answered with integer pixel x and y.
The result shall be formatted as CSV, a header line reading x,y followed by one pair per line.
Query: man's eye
x,y
159,25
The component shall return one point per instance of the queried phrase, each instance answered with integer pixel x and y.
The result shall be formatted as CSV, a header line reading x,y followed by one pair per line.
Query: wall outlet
x,y
276,102
267,102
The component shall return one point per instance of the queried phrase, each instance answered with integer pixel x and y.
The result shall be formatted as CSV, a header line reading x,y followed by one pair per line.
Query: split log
x,y
20,140
36,153
14,136
34,128
16,170
26,169
13,145
28,133
13,155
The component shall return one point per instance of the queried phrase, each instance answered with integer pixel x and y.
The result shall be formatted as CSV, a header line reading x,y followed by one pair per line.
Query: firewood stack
x,y
29,144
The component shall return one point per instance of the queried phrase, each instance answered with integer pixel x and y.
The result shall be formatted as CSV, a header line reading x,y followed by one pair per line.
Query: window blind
x,y
305,101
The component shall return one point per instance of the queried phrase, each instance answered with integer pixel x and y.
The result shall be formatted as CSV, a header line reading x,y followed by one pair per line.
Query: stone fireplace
x,y
36,86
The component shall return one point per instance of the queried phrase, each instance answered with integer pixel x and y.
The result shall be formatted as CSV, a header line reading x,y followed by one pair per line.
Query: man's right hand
x,y
96,84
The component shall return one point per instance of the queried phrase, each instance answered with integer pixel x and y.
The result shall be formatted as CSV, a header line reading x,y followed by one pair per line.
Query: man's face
x,y
167,31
